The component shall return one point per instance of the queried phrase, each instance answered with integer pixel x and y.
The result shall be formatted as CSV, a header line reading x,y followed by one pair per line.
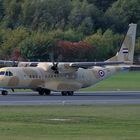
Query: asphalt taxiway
x,y
79,98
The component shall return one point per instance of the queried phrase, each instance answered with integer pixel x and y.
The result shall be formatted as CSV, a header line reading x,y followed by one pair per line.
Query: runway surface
x,y
79,98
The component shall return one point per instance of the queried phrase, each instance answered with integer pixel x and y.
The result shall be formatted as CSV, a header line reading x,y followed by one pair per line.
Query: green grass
x,y
123,82
82,122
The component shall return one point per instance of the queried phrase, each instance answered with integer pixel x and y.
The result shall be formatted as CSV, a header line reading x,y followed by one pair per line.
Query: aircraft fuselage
x,y
35,77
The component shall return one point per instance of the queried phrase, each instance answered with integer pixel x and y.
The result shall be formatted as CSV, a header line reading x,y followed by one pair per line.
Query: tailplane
x,y
126,52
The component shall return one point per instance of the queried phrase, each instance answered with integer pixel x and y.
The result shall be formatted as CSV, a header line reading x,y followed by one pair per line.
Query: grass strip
x,y
70,122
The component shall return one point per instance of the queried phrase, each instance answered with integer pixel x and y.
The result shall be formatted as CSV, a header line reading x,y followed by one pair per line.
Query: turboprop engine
x,y
57,68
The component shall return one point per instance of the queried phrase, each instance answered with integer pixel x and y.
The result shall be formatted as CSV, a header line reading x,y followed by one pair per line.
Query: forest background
x,y
78,30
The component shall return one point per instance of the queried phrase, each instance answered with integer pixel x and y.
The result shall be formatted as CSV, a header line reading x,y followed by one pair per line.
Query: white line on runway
x,y
72,102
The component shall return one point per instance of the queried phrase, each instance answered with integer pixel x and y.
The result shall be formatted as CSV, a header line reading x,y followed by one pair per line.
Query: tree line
x,y
78,30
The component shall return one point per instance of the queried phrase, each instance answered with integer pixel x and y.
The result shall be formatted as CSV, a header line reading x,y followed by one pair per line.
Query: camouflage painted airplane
x,y
68,77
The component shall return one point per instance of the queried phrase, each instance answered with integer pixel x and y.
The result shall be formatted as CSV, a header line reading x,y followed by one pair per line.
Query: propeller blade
x,y
52,58
55,65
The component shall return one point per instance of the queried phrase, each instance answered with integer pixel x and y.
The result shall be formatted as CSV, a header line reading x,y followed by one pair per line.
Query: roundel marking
x,y
101,73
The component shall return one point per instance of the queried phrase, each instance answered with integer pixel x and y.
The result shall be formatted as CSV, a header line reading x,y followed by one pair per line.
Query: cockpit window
x,y
10,73
6,73
2,73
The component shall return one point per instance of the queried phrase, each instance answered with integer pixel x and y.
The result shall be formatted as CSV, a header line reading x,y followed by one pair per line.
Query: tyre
x,y
41,92
70,93
4,92
47,92
64,93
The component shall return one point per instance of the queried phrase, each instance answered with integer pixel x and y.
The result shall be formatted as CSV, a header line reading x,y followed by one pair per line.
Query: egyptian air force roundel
x,y
101,73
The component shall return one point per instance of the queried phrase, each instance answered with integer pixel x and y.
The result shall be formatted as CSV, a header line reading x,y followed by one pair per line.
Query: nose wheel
x,y
4,92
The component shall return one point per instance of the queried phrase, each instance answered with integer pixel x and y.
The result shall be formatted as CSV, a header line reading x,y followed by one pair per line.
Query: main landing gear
x,y
43,91
67,93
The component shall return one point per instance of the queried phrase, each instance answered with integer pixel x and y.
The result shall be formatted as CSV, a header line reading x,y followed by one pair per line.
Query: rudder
x,y
126,52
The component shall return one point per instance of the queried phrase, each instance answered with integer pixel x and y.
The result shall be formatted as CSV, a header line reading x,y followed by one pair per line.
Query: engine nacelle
x,y
61,67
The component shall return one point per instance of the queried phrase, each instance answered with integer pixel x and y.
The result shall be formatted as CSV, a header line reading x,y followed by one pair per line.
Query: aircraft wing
x,y
92,64
5,63
63,67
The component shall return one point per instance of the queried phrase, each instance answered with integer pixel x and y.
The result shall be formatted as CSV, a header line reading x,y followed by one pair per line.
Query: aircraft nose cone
x,y
3,82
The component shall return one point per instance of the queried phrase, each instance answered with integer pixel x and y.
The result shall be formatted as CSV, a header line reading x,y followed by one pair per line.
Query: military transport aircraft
x,y
68,77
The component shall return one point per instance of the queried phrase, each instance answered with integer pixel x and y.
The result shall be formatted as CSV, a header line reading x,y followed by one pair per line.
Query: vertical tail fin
x,y
126,52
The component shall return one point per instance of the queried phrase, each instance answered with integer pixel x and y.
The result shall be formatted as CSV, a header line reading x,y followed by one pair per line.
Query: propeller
x,y
55,64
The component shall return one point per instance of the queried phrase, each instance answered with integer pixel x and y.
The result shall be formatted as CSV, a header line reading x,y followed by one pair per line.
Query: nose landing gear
x,y
4,92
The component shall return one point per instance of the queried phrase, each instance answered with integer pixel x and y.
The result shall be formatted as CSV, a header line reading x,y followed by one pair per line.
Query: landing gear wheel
x,y
70,93
47,92
64,93
41,92
4,92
